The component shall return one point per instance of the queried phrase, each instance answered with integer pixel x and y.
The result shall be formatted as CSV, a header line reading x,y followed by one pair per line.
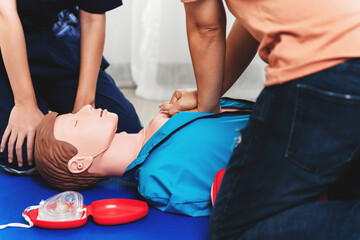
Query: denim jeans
x,y
303,138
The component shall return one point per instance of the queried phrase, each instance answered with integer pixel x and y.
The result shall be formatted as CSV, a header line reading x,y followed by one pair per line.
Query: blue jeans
x,y
303,138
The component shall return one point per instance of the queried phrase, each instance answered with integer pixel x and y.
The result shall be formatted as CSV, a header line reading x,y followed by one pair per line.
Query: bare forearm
x,y
241,48
92,46
13,49
206,36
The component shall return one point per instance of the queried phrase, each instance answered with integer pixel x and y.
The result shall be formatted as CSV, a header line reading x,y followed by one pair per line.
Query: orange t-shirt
x,y
300,37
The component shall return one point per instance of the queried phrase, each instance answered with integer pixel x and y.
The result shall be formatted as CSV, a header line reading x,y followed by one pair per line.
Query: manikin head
x,y
67,145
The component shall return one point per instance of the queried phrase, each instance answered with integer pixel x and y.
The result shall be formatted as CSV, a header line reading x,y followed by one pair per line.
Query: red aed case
x,y
104,212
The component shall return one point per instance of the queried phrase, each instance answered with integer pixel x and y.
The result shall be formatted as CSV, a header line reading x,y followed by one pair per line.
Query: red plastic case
x,y
104,212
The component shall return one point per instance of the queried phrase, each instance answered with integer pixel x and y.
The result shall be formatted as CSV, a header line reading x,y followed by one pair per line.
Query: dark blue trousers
x,y
58,95
303,138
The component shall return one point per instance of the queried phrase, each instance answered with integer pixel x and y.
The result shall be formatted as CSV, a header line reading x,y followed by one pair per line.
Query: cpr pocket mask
x,y
66,210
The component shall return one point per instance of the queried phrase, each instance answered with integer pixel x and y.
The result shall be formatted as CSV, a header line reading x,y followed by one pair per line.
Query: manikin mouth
x,y
101,112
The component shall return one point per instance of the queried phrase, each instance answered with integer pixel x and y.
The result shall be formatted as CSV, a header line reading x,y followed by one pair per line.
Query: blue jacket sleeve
x,y
98,6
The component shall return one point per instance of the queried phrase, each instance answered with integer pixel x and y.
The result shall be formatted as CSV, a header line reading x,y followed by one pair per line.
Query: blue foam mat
x,y
19,192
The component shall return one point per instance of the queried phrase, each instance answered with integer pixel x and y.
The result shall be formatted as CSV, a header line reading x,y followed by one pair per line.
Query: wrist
x,y
84,100
209,101
209,108
26,101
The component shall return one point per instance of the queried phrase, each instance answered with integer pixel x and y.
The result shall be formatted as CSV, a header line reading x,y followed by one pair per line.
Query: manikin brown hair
x,y
52,157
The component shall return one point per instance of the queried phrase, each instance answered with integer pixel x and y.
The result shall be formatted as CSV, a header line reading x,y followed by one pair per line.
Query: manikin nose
x,y
90,110
86,109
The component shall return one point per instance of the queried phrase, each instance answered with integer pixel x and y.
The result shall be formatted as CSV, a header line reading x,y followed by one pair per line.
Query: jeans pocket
x,y
325,129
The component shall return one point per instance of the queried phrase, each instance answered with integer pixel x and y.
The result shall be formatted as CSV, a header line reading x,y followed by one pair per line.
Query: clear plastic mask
x,y
65,206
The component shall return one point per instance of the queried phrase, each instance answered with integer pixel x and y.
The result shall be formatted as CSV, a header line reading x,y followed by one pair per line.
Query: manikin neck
x,y
123,149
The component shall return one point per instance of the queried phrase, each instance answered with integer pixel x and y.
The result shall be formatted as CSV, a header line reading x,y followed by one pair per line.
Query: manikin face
x,y
90,130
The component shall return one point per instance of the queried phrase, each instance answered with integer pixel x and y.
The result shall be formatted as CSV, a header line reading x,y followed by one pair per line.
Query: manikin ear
x,y
80,164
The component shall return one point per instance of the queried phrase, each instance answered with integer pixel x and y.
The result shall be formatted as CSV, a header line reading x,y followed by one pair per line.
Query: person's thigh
x,y
308,221
300,139
348,186
7,104
60,95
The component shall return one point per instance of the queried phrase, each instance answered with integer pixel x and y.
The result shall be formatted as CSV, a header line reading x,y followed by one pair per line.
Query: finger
x,y
176,96
18,149
161,105
174,109
5,138
30,147
166,106
11,144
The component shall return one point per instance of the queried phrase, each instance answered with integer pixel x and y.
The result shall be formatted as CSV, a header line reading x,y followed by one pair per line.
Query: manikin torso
x,y
126,147
100,150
